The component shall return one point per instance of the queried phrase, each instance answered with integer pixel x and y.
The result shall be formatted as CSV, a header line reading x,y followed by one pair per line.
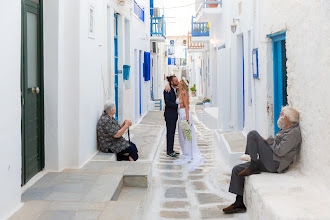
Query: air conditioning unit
x,y
156,12
154,48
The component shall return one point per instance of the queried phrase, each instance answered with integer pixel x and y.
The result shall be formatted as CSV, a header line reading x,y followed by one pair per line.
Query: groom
x,y
171,114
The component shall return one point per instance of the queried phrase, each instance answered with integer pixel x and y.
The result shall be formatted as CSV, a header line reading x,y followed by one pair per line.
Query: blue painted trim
x,y
116,64
151,7
278,36
243,82
140,84
255,53
138,11
199,29
158,26
279,75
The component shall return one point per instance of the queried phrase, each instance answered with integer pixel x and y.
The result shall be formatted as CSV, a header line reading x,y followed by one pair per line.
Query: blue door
x,y
116,61
280,76
243,82
140,83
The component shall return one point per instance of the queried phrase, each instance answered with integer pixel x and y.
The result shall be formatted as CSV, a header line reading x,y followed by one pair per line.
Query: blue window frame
x,y
139,11
280,76
255,64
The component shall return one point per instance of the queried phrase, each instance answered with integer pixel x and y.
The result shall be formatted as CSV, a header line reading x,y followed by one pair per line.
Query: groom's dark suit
x,y
171,116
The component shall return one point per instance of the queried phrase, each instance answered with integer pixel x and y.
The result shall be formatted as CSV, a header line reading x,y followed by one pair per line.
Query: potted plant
x,y
193,90
213,5
206,102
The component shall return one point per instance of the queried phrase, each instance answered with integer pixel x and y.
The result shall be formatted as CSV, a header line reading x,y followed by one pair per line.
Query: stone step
x,y
231,144
137,174
289,195
120,210
104,157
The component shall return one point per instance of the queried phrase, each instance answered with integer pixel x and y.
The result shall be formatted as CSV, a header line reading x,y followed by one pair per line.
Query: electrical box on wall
x,y
154,48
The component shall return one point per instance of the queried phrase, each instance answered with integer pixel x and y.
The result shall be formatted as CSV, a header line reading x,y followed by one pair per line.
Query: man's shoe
x,y
171,155
234,209
247,172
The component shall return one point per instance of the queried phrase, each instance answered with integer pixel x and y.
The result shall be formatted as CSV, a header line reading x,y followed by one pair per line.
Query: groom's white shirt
x,y
174,89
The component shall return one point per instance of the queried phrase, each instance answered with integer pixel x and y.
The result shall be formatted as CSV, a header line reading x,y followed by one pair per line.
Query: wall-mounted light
x,y
121,2
233,25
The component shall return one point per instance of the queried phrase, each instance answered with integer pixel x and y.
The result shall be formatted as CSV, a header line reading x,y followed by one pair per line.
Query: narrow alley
x,y
177,194
93,93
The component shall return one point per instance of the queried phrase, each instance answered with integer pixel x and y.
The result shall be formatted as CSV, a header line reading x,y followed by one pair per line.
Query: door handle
x,y
35,90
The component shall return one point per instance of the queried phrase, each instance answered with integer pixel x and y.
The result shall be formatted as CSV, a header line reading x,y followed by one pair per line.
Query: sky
x,y
178,19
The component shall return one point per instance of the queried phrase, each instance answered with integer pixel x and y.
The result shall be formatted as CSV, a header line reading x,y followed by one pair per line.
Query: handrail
x,y
199,28
138,11
192,45
158,26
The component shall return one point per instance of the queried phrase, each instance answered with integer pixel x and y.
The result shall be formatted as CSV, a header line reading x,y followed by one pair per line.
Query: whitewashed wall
x,y
308,65
10,117
140,41
230,72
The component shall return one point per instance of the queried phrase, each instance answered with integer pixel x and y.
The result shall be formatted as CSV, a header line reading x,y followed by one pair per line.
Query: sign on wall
x,y
255,67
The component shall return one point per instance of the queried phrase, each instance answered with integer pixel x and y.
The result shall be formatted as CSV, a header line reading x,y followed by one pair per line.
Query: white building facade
x,y
267,55
65,61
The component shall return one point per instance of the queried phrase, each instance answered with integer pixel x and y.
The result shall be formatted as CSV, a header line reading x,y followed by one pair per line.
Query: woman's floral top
x,y
107,127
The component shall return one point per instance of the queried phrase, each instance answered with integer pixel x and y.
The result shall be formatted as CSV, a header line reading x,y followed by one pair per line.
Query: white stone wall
x,y
10,117
228,68
307,37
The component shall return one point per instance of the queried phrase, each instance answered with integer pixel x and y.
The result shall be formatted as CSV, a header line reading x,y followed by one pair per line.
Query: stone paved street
x,y
176,194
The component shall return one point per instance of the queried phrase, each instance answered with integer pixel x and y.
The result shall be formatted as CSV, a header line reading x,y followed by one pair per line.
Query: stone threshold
x,y
231,144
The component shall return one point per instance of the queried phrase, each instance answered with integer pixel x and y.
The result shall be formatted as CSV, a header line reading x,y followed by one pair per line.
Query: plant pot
x,y
207,104
193,93
213,5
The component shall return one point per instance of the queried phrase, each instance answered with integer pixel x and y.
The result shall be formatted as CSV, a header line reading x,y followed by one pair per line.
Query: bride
x,y
189,149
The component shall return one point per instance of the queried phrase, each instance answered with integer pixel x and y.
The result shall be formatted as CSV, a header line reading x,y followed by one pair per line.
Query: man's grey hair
x,y
108,106
291,113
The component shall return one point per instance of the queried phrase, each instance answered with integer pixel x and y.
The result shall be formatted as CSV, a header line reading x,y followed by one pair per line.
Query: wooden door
x,y
32,90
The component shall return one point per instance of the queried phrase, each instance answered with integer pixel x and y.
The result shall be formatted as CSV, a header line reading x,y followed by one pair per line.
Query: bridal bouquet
x,y
186,129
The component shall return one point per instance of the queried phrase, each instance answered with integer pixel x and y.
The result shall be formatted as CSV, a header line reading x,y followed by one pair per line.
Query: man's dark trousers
x,y
255,145
171,117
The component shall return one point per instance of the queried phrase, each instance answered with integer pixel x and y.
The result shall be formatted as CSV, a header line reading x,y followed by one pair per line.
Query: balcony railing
x,y
192,45
208,4
138,11
199,29
158,27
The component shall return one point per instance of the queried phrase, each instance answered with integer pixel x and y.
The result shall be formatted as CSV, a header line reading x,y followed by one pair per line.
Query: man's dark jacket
x,y
171,108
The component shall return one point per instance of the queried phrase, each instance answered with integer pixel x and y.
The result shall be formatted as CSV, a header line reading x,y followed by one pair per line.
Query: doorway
x,y
280,75
140,82
32,90
240,83
116,61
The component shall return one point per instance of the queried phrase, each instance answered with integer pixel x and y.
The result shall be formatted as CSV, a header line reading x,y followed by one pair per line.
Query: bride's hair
x,y
185,87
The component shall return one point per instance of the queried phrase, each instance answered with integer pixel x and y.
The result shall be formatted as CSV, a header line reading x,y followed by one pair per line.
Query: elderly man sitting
x,y
275,155
109,134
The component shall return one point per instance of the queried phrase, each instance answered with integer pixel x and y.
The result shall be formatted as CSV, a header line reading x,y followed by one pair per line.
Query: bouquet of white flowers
x,y
186,129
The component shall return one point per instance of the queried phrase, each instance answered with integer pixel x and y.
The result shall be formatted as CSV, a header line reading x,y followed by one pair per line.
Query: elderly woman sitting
x,y
109,134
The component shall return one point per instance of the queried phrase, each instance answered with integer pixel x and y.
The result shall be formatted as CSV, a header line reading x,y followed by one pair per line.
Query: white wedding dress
x,y
190,150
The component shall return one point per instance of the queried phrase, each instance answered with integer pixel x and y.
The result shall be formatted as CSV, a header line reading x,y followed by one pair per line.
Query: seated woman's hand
x,y
128,123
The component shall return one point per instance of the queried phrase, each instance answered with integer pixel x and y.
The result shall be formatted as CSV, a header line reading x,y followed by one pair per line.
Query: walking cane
x,y
129,139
